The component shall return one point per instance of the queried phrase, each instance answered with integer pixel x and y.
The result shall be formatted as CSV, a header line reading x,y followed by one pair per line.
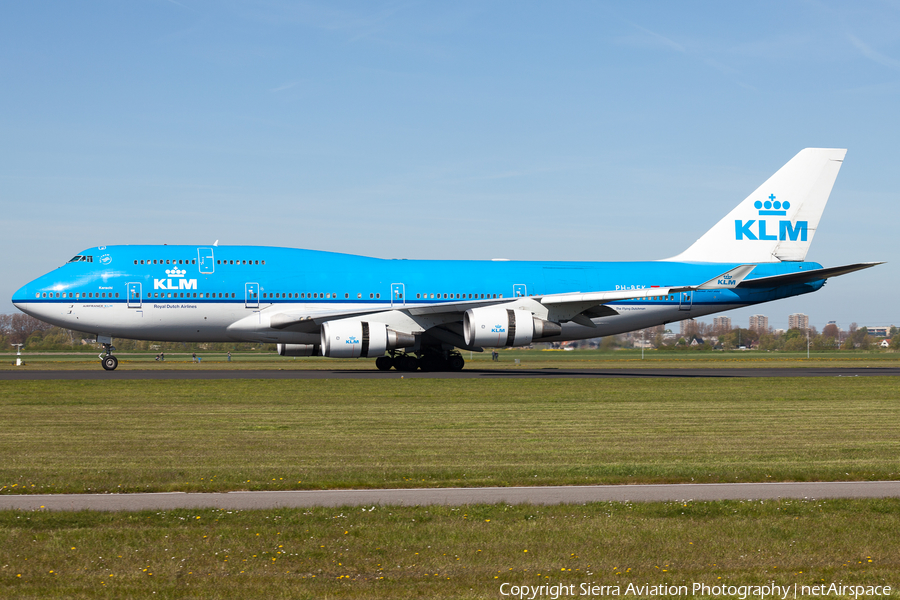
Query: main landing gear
x,y
427,361
109,361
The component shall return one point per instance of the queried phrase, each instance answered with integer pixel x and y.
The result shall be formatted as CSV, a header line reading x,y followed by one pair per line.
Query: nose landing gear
x,y
109,361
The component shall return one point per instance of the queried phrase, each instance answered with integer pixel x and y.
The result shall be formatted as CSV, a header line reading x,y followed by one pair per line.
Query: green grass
x,y
79,436
443,552
127,436
528,359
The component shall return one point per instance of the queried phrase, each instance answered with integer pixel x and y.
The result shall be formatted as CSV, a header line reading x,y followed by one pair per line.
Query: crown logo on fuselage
x,y
765,208
176,272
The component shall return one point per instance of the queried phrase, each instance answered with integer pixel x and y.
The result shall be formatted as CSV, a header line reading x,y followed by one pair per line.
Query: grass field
x,y
528,359
80,436
127,436
442,552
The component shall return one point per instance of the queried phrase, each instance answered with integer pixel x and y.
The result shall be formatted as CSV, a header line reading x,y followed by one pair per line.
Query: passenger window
x,y
377,295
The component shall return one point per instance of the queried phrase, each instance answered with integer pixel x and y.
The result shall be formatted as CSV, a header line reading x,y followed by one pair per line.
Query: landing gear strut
x,y
109,361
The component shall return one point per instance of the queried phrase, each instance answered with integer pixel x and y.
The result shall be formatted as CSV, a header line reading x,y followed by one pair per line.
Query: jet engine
x,y
352,339
498,327
297,349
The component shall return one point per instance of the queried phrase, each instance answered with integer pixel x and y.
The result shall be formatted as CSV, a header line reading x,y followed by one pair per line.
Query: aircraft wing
x,y
310,321
554,307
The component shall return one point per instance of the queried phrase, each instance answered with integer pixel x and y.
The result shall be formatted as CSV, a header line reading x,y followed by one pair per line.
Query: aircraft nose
x,y
20,298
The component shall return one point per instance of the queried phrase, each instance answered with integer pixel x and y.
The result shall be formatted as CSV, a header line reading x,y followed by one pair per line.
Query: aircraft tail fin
x,y
776,222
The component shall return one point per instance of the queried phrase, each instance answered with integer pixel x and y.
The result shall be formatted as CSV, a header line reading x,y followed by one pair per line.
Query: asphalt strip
x,y
454,496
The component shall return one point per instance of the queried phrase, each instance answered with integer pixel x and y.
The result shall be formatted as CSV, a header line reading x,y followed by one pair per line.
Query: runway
x,y
454,496
98,374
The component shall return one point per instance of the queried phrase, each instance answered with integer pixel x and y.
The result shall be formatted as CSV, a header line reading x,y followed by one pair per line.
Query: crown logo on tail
x,y
765,208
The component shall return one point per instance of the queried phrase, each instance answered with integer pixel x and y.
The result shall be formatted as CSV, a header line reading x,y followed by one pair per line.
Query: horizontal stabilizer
x,y
805,276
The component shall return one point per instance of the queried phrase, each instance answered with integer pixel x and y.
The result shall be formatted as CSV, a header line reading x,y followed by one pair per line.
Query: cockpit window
x,y
81,258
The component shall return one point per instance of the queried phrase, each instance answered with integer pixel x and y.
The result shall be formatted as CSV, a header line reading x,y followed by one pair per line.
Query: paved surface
x,y
125,374
455,496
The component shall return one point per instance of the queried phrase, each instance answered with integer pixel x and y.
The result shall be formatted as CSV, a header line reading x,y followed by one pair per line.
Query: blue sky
x,y
568,130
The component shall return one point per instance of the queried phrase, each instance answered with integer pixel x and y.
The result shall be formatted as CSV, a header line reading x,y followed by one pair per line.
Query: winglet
x,y
728,280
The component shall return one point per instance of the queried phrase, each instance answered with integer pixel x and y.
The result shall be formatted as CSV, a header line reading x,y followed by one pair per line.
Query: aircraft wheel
x,y
408,363
384,363
430,362
110,363
456,363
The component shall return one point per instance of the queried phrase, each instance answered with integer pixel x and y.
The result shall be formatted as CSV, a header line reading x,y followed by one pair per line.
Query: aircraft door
x,y
251,295
397,292
519,290
205,262
684,302
133,293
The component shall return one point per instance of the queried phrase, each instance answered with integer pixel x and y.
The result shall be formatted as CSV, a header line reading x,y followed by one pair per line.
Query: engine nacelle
x,y
297,349
498,327
353,339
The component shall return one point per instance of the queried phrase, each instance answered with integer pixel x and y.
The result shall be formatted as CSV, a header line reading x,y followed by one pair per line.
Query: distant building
x,y
879,330
688,327
722,323
759,323
798,321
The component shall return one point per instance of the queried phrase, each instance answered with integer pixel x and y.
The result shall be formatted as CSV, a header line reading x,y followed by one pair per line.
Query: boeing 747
x,y
412,314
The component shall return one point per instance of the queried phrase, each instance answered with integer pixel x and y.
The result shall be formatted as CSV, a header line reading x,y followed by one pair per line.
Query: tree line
x,y
36,335
792,340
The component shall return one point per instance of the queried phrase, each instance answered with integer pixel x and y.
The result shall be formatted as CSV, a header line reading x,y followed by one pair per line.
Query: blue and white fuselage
x,y
339,305
165,293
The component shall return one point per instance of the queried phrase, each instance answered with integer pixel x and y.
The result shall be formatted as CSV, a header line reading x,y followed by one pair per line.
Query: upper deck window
x,y
81,258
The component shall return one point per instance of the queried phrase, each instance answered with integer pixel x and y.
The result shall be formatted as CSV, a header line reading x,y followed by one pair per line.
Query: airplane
x,y
419,314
